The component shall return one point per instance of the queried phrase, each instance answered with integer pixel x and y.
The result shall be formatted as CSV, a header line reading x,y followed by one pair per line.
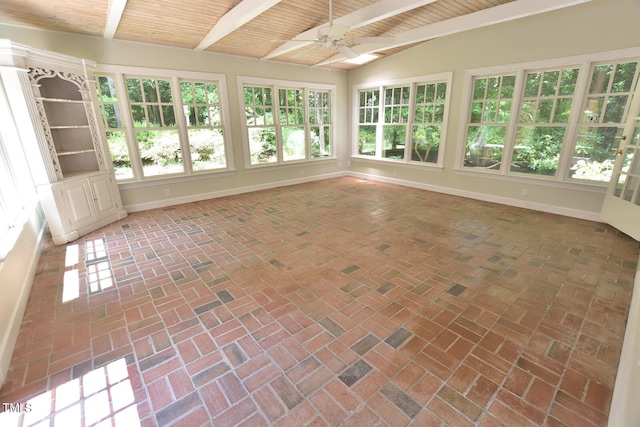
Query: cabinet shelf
x,y
70,127
61,100
71,153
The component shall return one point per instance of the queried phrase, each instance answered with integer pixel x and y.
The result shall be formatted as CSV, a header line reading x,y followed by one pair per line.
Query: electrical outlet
x,y
167,192
524,192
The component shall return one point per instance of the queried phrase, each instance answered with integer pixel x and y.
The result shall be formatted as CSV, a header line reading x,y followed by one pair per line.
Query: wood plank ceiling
x,y
260,28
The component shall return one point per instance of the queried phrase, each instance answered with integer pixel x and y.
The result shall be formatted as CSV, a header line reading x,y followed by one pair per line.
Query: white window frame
x,y
276,85
381,87
584,63
120,73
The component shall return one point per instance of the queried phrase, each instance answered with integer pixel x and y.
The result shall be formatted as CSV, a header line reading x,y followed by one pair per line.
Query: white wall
x,y
16,275
597,26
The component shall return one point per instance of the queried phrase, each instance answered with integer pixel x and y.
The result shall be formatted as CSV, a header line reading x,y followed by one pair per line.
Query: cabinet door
x,y
79,204
106,200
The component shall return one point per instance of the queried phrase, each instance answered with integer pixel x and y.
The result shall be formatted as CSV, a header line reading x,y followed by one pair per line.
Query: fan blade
x,y
383,40
306,51
337,31
350,54
294,41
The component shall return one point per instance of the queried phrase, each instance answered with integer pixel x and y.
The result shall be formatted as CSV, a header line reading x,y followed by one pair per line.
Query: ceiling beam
x,y
483,18
244,12
115,8
368,15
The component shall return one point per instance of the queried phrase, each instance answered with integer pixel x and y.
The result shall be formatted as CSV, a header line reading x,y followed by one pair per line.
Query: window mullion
x,y
380,122
129,130
510,135
181,123
579,98
277,124
408,144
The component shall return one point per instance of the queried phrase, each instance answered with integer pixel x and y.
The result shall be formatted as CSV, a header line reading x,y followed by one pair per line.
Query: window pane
x,y
425,143
207,149
549,83
112,116
153,113
168,115
164,87
160,152
533,84
493,87
600,79
568,81
319,114
320,141
119,150
485,146
263,145
489,115
479,89
562,110
615,109
186,92
624,76
420,89
545,109
393,142
508,84
594,153
537,150
367,140
476,112
133,90
293,143
150,90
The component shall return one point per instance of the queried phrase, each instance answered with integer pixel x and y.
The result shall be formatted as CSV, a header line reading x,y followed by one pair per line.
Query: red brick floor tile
x,y
294,306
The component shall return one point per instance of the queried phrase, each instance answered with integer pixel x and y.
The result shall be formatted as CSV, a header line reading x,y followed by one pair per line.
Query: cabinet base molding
x,y
61,239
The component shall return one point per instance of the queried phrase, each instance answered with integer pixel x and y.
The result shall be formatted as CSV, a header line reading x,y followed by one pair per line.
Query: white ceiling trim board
x,y
483,18
115,8
244,12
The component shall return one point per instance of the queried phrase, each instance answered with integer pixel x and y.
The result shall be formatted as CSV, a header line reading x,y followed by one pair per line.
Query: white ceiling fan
x,y
334,37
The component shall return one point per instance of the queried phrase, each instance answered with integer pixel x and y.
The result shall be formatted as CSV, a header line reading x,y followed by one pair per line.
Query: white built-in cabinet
x,y
55,95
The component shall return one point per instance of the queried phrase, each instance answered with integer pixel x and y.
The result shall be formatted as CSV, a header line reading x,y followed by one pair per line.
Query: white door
x,y
621,206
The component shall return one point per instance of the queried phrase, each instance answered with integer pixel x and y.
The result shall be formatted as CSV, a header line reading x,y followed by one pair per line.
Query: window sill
x,y
288,165
170,179
416,165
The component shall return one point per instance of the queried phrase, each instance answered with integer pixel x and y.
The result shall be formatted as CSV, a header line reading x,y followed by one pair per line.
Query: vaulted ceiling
x,y
262,28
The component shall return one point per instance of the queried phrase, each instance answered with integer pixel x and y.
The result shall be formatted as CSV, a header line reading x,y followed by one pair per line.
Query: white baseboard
x,y
575,213
230,192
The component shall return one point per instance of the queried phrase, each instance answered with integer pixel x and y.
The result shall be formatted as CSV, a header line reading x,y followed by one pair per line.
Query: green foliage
x,y
269,145
118,148
594,171
537,149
